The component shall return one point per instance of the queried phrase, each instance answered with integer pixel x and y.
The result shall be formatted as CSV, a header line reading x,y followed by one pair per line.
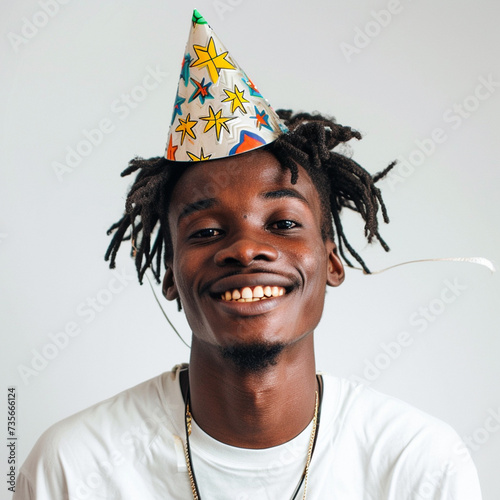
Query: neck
x,y
251,409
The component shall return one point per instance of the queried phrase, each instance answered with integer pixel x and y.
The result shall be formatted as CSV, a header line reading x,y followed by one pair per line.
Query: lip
x,y
256,308
250,280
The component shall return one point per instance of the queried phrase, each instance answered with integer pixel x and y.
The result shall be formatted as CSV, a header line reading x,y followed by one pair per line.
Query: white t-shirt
x,y
130,447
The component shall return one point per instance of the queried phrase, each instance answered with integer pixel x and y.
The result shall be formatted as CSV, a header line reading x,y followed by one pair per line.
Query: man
x,y
247,240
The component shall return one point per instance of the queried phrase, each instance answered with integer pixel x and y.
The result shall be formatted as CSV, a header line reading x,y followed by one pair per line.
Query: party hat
x,y
218,111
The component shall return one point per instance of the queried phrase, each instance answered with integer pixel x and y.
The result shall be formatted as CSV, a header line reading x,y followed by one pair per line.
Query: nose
x,y
244,250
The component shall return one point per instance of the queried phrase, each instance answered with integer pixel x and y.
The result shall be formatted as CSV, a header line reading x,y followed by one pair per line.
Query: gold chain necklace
x,y
310,449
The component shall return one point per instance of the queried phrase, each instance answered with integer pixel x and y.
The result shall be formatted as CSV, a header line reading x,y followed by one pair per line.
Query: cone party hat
x,y
218,111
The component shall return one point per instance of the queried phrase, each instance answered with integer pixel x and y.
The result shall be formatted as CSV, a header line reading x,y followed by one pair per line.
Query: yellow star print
x,y
236,98
186,127
207,56
216,120
202,156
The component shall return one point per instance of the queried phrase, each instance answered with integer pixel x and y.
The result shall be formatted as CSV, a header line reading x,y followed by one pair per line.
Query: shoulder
x,y
107,434
152,401
357,406
396,440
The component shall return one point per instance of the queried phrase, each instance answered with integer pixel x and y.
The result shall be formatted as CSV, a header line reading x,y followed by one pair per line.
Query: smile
x,y
248,294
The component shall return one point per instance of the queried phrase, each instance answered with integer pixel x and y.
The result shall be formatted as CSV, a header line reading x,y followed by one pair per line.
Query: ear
x,y
169,287
335,269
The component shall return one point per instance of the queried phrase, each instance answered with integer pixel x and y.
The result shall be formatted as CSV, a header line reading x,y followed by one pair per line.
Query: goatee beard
x,y
253,358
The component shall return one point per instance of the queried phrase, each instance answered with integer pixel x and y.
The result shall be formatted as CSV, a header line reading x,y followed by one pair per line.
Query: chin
x,y
254,357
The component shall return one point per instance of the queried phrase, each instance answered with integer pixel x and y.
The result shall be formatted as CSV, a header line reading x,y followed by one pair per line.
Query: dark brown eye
x,y
284,224
206,233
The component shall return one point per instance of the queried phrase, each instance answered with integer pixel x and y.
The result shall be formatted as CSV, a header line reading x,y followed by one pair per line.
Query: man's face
x,y
240,229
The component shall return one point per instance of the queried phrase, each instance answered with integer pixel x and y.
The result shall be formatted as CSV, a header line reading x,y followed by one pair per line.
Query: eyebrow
x,y
284,193
197,206
207,203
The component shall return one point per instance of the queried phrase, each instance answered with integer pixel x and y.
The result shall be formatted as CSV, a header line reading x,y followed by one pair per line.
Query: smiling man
x,y
250,267
244,239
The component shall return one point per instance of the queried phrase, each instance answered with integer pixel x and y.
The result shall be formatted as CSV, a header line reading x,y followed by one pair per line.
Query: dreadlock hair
x,y
340,182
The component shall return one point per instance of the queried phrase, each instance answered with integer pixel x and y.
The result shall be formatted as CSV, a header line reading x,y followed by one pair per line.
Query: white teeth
x,y
247,294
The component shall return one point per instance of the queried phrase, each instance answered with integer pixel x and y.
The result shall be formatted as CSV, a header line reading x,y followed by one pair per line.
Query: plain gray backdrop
x,y
420,80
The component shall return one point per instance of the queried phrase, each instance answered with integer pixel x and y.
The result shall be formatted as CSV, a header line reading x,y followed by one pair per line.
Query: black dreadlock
x,y
340,182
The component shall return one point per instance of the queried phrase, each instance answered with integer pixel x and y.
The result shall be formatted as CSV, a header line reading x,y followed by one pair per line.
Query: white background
x,y
397,85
